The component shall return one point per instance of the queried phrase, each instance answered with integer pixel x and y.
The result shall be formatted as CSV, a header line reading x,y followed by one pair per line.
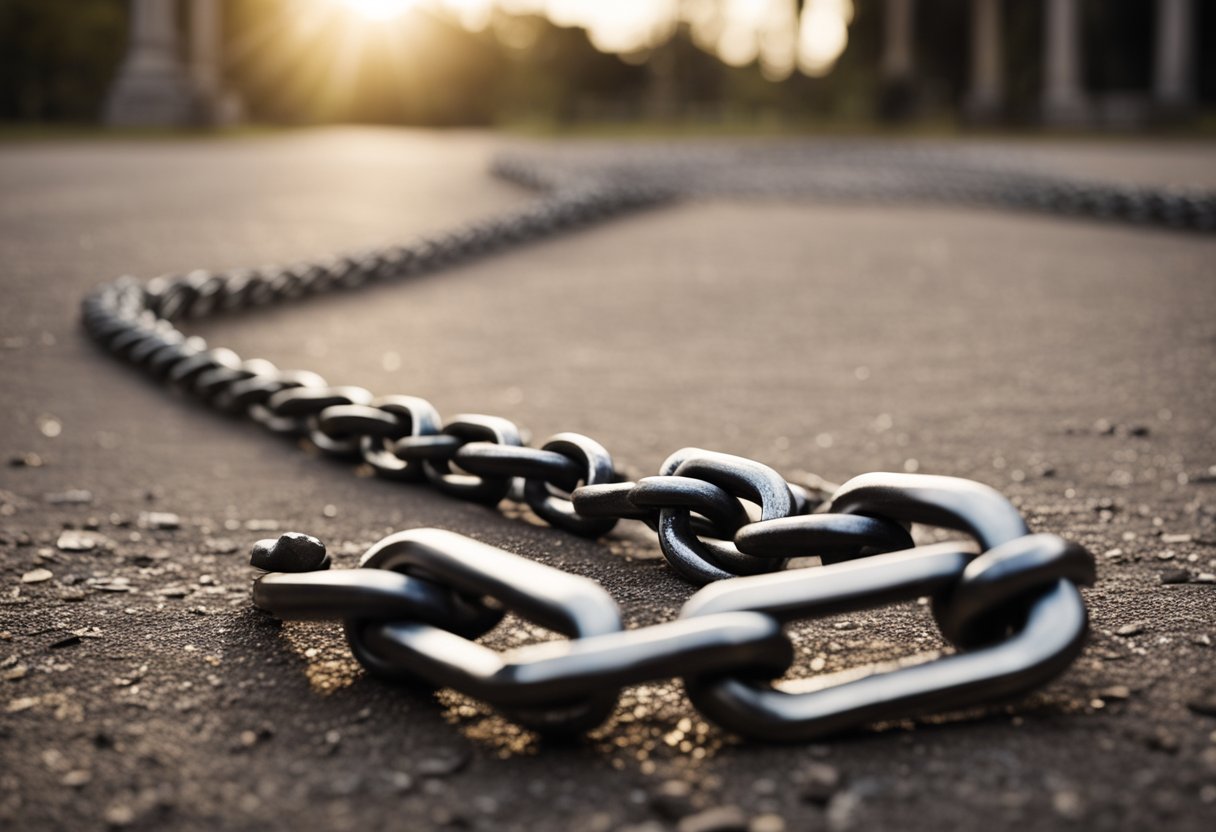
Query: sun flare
x,y
377,9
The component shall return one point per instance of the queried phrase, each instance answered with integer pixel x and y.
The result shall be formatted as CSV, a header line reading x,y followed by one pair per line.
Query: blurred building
x,y
159,83
1084,63
1064,99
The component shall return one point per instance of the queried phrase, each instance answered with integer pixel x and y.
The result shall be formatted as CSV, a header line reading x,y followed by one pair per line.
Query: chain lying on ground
x,y
421,596
1013,611
873,172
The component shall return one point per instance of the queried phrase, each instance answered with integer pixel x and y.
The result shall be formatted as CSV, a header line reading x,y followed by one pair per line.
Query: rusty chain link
x,y
1012,610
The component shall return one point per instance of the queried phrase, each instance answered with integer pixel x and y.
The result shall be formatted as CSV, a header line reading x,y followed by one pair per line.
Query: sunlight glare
x,y
377,9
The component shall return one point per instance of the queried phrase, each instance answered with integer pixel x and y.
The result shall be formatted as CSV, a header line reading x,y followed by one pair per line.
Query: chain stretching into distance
x,y
1011,609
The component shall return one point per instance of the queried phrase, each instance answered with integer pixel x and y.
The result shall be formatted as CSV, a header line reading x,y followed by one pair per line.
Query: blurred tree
x,y
57,57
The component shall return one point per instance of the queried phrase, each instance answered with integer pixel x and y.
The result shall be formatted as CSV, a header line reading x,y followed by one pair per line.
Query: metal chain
x,y
1012,611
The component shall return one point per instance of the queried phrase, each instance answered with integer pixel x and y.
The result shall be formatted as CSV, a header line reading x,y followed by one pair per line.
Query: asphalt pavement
x,y
1064,361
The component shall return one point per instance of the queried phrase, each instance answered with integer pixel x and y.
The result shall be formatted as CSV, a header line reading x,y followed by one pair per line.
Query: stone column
x,y
216,106
897,40
986,94
897,59
1064,100
205,47
1173,76
151,89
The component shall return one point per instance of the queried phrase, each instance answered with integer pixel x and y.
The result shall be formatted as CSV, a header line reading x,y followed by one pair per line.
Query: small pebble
x,y
443,764
292,552
1068,804
12,674
1176,576
120,815
77,778
219,546
1130,630
819,781
37,576
718,819
672,799
73,541
163,520
767,823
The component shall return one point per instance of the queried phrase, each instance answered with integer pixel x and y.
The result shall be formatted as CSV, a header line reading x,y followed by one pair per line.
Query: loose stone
x,y
37,576
767,823
73,541
672,799
443,764
718,819
292,552
73,496
14,673
163,520
819,782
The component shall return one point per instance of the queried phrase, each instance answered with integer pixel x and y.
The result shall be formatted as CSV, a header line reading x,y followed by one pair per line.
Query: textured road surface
x,y
1065,362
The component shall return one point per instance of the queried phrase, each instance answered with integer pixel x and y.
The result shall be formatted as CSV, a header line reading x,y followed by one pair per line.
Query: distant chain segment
x,y
411,612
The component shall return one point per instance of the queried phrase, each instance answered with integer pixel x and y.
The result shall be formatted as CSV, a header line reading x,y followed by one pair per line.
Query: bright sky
x,y
737,31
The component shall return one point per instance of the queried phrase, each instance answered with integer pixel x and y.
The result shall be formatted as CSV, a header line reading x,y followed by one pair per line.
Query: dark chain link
x,y
1013,610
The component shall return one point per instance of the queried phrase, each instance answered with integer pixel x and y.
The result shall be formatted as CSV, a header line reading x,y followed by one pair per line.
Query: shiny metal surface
x,y
594,466
473,428
421,595
1051,637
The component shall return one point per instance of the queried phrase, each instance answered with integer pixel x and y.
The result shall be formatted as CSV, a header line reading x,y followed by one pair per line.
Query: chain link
x,y
1012,610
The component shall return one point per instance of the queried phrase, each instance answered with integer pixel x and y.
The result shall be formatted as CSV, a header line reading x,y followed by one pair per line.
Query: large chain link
x,y
1012,610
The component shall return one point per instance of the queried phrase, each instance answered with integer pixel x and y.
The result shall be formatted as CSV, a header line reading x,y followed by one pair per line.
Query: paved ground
x,y
1067,363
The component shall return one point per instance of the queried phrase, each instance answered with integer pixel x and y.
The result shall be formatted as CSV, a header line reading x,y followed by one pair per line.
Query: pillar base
x,y
1072,112
983,109
151,93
